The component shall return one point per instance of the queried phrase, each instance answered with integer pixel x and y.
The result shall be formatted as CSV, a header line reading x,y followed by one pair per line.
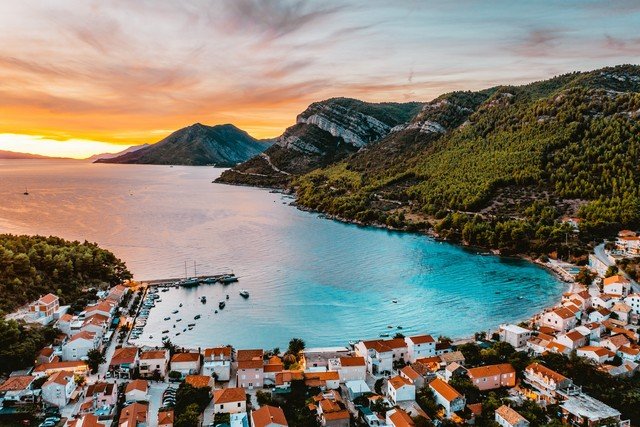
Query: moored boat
x,y
244,293
221,305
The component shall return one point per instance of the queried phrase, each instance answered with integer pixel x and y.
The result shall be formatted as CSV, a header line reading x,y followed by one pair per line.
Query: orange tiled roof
x,y
509,415
250,354
491,370
216,352
422,339
614,279
69,366
401,419
141,385
134,414
165,417
251,364
83,335
185,357
227,395
16,383
267,415
124,355
48,299
153,354
546,372
444,389
352,361
410,373
198,381
398,382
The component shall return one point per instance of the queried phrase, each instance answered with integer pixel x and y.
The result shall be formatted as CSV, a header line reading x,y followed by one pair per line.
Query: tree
x,y
296,345
611,271
378,386
94,359
264,398
189,417
585,277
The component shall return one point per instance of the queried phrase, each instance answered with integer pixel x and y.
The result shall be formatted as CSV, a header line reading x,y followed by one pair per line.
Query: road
x,y
600,253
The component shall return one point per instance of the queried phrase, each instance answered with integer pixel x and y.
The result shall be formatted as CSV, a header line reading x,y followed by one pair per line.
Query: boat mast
x,y
195,274
185,269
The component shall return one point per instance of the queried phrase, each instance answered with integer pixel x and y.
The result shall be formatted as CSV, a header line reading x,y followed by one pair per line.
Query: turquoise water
x,y
313,278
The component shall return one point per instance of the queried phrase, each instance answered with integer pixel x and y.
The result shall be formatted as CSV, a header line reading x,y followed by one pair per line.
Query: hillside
x,y
326,132
14,155
499,168
197,145
119,153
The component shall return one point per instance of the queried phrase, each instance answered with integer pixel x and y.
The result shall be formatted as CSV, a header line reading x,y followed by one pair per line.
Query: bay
x,y
317,279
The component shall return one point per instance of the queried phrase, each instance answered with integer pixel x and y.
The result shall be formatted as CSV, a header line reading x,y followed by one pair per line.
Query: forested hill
x,y
500,167
31,266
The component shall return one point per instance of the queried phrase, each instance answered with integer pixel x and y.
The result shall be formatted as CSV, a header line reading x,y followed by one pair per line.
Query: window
x,y
239,404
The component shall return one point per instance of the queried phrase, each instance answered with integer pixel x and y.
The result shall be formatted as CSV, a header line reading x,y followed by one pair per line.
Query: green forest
x,y
31,266
512,162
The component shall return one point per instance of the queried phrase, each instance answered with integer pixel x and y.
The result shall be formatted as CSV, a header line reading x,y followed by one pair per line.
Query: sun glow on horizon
x,y
73,148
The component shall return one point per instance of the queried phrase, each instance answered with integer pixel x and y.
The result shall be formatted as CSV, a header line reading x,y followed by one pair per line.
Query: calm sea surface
x,y
317,279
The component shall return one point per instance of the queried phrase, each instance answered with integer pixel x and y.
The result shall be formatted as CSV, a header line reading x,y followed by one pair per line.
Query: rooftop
x,y
587,407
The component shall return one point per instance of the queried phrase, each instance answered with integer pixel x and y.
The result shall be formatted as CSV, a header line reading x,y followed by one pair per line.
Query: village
x,y
93,374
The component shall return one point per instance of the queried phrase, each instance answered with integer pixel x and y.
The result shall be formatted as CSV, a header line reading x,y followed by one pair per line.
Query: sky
x,y
79,77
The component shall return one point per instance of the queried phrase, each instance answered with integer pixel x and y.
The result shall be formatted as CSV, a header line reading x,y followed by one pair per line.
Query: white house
x,y
515,335
599,315
349,368
186,363
597,354
229,401
572,339
447,396
400,389
217,362
616,285
380,354
154,361
623,311
58,389
561,319
79,345
629,354
633,301
604,301
420,346
137,391
507,417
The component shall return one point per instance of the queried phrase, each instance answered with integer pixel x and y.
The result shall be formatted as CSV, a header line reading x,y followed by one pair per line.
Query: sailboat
x,y
189,282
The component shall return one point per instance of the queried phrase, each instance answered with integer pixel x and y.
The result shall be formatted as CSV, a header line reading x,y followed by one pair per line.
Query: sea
x,y
308,277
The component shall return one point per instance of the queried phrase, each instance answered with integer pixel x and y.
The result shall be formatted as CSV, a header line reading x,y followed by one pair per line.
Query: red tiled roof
x,y
124,355
165,417
153,354
444,389
17,383
352,361
227,395
398,382
48,299
141,385
185,357
267,415
422,339
198,381
491,370
216,352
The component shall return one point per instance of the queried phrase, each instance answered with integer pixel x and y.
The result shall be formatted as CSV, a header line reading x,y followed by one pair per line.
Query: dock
x,y
167,283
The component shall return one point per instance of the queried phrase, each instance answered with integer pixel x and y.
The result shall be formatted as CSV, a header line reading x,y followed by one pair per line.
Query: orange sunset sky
x,y
78,77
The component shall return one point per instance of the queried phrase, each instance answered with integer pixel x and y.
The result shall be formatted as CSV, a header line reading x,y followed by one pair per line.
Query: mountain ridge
x,y
197,145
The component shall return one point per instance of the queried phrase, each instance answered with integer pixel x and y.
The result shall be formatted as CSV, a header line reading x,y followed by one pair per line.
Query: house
x,y
592,331
331,410
199,381
319,358
507,417
604,301
454,370
450,357
614,342
545,381
357,388
154,363
64,323
400,389
412,375
96,324
447,396
633,301
186,363
229,401
17,390
399,418
217,363
104,308
134,415
44,308
627,369
349,368
86,420
79,345
99,395
380,354
580,409
597,354
599,315
117,294
123,361
616,285
74,367
515,335
137,391
420,346
271,368
165,418
268,416
623,311
324,380
572,339
629,354
491,377
561,319
45,355
250,372
58,388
